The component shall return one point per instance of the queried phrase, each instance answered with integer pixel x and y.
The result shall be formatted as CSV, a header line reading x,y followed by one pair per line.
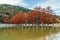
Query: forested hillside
x,y
17,14
11,10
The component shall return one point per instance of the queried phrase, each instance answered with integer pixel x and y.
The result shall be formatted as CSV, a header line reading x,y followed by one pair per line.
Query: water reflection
x,y
30,33
51,37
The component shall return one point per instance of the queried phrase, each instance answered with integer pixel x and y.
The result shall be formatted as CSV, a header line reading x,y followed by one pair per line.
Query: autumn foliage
x,y
32,17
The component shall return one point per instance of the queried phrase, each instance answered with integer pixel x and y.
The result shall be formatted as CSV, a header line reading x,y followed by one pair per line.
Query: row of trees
x,y
39,15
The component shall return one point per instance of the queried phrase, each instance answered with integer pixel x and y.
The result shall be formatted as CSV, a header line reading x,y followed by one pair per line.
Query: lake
x,y
32,33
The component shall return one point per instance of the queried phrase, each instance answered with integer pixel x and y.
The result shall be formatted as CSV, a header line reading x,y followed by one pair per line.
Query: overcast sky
x,y
55,4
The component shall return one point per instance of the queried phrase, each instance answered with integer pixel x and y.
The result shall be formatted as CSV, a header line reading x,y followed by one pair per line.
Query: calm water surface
x,y
30,33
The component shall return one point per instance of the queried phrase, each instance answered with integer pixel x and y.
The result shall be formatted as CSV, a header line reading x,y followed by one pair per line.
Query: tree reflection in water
x,y
51,37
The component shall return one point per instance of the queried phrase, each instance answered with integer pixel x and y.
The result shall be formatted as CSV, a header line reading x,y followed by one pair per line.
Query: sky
x,y
54,4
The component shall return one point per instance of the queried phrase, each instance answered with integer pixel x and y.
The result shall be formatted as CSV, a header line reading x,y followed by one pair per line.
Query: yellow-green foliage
x,y
57,20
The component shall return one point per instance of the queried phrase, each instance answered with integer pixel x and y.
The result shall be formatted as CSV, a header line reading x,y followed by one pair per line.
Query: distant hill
x,y
12,9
